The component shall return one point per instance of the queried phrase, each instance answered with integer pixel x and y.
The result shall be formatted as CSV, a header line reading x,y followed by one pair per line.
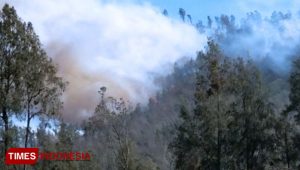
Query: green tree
x,y
12,42
252,125
29,81
67,136
290,117
45,140
28,78
294,96
41,85
200,141
286,133
99,128
233,123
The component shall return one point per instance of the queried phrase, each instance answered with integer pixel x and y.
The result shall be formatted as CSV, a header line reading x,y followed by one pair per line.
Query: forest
x,y
225,109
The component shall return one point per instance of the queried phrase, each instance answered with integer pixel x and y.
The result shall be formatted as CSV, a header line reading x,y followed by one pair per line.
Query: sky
x,y
200,9
125,44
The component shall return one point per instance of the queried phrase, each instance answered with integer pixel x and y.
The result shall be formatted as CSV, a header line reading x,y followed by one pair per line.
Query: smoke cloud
x,y
124,46
121,46
272,40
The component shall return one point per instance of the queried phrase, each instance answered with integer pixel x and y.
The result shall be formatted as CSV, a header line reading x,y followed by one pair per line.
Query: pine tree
x,y
233,123
200,141
252,126
289,134
295,89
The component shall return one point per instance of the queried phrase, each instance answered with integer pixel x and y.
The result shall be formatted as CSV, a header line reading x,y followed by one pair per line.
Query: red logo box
x,y
21,156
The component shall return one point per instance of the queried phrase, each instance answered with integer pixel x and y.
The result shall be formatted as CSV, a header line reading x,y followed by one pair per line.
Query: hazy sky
x,y
200,9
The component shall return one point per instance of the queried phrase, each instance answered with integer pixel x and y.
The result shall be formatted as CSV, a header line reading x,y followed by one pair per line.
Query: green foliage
x,y
28,78
290,121
252,125
232,125
12,41
295,89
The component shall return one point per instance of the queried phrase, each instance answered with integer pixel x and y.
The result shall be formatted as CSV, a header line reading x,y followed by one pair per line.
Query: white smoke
x,y
123,46
108,44
274,39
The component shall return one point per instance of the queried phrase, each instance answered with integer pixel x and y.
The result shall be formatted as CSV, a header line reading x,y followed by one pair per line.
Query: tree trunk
x,y
247,146
6,135
286,148
246,135
219,137
27,128
219,150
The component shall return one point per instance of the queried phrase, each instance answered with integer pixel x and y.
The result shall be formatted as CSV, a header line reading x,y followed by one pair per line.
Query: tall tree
x,y
66,138
182,14
233,123
12,42
200,141
190,18
288,132
209,22
45,139
165,12
42,87
252,126
99,128
28,78
295,89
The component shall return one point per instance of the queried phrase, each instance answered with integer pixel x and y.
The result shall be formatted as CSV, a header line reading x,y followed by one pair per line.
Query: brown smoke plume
x,y
81,96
